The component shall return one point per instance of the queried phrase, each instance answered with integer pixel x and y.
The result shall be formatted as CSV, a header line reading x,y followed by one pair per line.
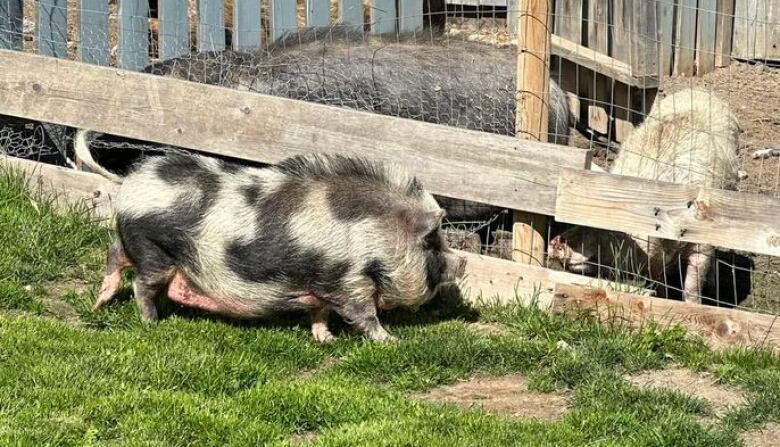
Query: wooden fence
x,y
519,174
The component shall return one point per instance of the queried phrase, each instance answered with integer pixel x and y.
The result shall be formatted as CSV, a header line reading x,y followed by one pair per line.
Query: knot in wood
x,y
246,110
774,240
727,328
37,87
701,209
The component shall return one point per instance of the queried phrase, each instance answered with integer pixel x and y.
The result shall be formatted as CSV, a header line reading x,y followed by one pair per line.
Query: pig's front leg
x,y
361,313
699,261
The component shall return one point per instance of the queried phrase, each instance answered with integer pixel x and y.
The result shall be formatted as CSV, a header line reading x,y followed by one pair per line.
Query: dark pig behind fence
x,y
315,233
425,77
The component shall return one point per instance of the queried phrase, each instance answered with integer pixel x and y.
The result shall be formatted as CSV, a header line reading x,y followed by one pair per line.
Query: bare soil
x,y
699,385
507,395
766,436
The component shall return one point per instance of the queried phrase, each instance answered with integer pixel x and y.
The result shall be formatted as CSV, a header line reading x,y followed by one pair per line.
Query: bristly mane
x,y
337,167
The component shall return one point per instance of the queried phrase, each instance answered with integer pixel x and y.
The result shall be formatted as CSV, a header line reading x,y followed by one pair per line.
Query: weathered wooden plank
x,y
725,30
512,13
502,170
718,327
500,281
729,219
52,28
211,25
568,20
351,12
410,16
756,30
598,22
93,32
705,36
67,186
11,24
740,48
600,63
174,29
685,46
133,34
644,39
283,18
317,12
383,16
621,34
665,14
248,30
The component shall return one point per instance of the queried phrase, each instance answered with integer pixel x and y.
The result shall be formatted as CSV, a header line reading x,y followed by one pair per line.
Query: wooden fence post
x,y
533,85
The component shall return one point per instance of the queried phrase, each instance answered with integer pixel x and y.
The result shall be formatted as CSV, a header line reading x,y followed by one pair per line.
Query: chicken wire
x,y
463,76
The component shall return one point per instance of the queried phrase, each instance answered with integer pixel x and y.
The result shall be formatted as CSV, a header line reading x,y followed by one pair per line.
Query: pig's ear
x,y
421,223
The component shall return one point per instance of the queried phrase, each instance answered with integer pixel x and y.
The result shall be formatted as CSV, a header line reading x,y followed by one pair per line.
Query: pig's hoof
x,y
323,338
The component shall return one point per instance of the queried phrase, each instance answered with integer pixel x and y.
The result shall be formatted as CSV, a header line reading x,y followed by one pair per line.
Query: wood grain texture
x,y
283,18
248,30
706,21
600,63
351,12
499,170
317,12
598,23
410,16
568,20
620,31
756,30
93,32
501,281
718,327
725,31
685,46
133,34
728,219
11,24
665,13
52,28
383,16
174,29
211,25
644,39
528,241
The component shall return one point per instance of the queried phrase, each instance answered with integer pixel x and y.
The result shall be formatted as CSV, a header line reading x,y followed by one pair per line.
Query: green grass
x,y
193,380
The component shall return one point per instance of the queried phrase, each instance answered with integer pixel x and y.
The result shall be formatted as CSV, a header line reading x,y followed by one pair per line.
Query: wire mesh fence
x,y
454,63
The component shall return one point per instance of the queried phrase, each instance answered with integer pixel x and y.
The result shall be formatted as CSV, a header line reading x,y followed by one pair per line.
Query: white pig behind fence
x,y
689,137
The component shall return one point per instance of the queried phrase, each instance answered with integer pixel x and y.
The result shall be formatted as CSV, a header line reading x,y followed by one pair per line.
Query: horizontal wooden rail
x,y
729,219
463,164
717,326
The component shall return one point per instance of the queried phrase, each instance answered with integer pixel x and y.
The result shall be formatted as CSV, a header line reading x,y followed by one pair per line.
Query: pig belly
x,y
180,291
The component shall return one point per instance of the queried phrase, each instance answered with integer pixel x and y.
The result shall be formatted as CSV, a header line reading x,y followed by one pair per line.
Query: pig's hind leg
x,y
319,325
116,262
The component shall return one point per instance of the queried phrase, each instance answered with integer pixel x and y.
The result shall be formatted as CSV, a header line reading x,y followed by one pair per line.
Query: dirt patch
x,y
507,395
55,306
303,437
699,385
766,436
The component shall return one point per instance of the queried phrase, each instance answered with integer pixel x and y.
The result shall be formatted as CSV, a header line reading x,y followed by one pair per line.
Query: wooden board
x,y
718,327
93,32
247,28
644,39
283,18
11,24
51,31
621,33
724,30
487,168
211,26
598,23
512,12
705,36
685,46
410,16
665,18
67,185
600,63
728,219
568,20
174,29
317,12
756,33
528,238
383,16
134,34
351,12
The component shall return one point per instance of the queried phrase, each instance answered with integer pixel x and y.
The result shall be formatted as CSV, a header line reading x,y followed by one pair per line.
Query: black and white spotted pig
x,y
314,233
